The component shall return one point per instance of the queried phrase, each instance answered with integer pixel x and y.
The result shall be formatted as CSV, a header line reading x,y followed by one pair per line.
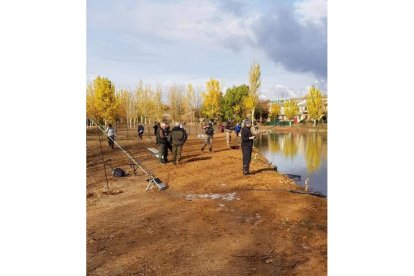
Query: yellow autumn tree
x,y
91,110
274,111
249,104
148,106
126,107
104,98
212,97
254,85
314,104
145,106
290,110
122,99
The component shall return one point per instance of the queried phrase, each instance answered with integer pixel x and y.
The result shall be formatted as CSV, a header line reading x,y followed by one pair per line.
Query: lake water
x,y
298,154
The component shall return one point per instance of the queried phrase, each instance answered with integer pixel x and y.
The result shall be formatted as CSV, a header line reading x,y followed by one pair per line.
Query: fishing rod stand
x,y
155,182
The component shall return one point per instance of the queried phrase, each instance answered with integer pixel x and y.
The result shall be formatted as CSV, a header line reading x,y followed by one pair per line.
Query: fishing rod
x,y
140,166
153,181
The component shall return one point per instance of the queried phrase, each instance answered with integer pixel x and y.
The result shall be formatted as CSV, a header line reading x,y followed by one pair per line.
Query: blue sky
x,y
189,41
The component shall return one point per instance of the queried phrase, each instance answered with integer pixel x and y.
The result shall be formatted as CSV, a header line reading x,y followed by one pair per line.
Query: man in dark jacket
x,y
247,145
208,140
140,131
167,131
162,140
177,138
156,127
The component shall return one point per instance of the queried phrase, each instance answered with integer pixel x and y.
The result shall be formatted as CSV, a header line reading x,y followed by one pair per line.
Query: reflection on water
x,y
290,145
303,154
315,151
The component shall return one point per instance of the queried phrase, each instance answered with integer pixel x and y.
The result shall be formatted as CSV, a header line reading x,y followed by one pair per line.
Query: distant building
x,y
303,109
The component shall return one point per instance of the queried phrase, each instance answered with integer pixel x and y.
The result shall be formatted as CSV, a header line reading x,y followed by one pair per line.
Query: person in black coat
x,y
247,145
156,126
167,131
162,140
177,138
140,131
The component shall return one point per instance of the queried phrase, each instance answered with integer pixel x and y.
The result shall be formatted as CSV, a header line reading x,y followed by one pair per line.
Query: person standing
x,y
177,138
162,140
156,127
228,129
185,132
247,145
167,131
209,131
140,131
237,130
111,132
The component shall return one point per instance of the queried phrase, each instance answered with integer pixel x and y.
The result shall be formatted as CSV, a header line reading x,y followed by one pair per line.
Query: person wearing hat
x,y
247,145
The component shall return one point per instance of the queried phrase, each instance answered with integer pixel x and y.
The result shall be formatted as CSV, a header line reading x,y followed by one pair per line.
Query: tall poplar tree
x,y
105,100
290,110
274,111
314,104
254,85
212,98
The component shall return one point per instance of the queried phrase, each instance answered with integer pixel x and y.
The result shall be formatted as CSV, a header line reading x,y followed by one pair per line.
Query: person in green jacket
x,y
177,138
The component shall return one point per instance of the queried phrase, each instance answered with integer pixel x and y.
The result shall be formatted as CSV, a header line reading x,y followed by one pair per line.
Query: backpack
x,y
118,172
210,130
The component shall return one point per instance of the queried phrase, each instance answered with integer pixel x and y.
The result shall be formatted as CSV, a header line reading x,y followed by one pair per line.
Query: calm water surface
x,y
302,155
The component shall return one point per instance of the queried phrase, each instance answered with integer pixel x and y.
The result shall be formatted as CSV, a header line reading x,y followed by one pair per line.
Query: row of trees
x,y
144,104
238,101
314,105
186,104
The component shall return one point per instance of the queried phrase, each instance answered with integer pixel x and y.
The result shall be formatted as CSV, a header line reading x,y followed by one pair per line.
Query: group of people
x,y
111,133
173,139
246,137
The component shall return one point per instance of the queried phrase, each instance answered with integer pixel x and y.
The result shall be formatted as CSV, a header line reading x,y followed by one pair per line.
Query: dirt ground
x,y
211,220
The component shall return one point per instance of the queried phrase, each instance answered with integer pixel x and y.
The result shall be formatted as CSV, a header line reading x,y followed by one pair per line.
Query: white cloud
x,y
189,41
278,91
192,21
312,11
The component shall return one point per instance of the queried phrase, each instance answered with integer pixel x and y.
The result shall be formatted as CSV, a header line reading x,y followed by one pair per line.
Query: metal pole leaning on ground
x,y
152,179
103,160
